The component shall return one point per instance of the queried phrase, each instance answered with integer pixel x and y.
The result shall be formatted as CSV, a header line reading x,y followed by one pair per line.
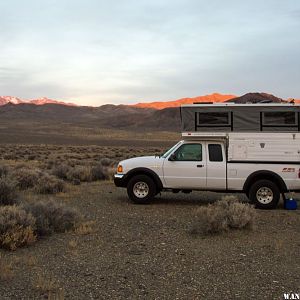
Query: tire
x,y
264,194
141,189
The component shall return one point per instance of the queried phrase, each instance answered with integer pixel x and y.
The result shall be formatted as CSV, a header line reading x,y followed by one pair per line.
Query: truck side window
x,y
215,152
189,152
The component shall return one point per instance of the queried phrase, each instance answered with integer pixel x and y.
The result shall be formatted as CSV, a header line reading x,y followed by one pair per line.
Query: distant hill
x,y
127,117
41,101
256,98
215,97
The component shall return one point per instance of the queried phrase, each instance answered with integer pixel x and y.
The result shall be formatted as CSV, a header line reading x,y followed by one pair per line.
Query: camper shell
x,y
253,132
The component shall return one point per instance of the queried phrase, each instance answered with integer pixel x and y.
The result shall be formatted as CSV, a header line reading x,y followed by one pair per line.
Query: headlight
x,y
120,169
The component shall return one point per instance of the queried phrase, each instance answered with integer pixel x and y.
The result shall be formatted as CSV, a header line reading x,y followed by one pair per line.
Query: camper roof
x,y
240,104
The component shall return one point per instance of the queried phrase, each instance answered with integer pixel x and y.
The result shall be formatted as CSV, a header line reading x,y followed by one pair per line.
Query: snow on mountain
x,y
41,101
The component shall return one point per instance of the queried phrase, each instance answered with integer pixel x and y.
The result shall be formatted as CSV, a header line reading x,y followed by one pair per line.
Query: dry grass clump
x,y
16,227
61,171
226,214
3,170
106,162
98,172
49,184
8,193
6,270
48,286
26,178
85,228
51,216
81,173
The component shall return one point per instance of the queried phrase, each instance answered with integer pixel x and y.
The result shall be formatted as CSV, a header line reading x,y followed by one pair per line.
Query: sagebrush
x,y
223,215
16,227
26,178
52,216
8,191
49,184
3,170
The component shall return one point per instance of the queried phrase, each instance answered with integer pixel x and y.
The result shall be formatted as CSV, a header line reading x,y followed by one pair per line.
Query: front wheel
x,y
141,189
264,194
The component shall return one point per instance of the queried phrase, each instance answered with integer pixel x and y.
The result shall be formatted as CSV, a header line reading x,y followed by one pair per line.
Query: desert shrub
x,y
106,162
20,166
210,219
49,184
16,227
98,173
6,272
52,216
241,215
81,173
32,157
9,156
26,178
61,171
3,170
223,215
110,172
8,194
49,164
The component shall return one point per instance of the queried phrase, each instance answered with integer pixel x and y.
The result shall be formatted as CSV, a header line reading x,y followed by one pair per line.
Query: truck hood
x,y
151,162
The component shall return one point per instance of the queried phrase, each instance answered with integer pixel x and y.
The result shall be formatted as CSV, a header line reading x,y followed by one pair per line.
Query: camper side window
x,y
213,119
277,119
189,152
215,152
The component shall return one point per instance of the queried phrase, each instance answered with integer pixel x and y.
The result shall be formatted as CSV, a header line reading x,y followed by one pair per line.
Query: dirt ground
x,y
148,252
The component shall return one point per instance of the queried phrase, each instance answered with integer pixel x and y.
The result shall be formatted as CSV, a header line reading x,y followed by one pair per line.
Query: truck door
x,y
186,167
216,166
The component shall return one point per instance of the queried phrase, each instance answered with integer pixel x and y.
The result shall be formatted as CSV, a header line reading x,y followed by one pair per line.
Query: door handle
x,y
200,166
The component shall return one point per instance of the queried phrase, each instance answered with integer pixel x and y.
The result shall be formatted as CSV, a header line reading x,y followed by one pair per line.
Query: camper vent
x,y
203,103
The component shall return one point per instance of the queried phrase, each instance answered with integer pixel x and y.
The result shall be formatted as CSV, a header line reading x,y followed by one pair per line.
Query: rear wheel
x,y
141,189
264,194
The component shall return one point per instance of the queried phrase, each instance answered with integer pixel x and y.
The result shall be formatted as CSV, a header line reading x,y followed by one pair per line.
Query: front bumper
x,y
120,180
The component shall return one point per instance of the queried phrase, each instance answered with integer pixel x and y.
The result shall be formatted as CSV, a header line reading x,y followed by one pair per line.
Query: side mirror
x,y
172,157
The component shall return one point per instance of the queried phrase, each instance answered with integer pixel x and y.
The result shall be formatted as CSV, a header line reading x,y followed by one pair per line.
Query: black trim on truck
x,y
122,182
263,162
119,182
265,174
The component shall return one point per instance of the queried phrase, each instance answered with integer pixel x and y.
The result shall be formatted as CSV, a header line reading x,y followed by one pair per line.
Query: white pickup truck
x,y
263,165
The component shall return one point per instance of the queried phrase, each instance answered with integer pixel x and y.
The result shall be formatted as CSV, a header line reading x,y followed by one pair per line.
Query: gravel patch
x,y
147,252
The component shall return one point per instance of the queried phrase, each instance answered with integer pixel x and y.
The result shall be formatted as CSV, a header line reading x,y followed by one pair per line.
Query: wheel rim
x,y
141,189
264,195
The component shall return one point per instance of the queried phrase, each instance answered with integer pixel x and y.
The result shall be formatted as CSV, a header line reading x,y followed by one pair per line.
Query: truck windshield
x,y
168,152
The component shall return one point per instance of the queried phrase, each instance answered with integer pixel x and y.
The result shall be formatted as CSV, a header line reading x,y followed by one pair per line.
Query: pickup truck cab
x,y
203,165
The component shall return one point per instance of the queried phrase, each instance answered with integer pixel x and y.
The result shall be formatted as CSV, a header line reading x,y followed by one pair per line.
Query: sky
x,y
93,52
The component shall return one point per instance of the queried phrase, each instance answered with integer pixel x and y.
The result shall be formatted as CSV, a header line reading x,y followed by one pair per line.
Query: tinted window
x,y
279,118
213,118
189,152
215,152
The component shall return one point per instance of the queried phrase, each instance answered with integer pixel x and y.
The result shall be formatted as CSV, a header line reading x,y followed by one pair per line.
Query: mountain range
x,y
27,116
158,105
215,97
40,101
